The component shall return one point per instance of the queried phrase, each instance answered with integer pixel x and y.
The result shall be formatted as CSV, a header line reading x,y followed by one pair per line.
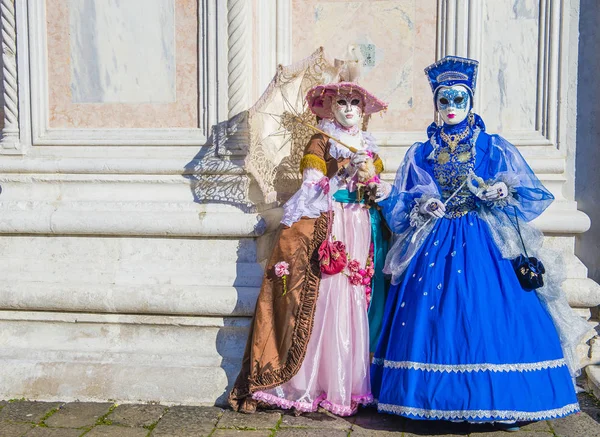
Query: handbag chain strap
x,y
518,228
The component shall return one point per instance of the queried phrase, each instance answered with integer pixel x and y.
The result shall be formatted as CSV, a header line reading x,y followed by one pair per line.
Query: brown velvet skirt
x,y
282,324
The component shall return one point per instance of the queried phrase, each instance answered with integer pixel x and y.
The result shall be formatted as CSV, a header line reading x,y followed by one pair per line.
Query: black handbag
x,y
529,269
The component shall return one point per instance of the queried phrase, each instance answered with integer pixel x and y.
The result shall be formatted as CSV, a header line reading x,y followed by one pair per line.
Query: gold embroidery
x,y
464,156
443,158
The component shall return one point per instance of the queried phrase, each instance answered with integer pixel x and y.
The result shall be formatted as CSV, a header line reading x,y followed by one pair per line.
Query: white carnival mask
x,y
347,109
453,103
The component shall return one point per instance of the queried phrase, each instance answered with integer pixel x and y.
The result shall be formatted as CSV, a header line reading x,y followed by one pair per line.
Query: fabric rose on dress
x,y
356,279
354,266
282,269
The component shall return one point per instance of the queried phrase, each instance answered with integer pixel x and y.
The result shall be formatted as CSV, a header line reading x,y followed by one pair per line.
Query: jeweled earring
x,y
471,118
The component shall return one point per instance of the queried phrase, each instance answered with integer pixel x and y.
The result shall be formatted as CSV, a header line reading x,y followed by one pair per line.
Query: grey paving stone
x,y
136,415
542,425
311,432
238,433
576,425
437,428
26,411
116,431
54,432
498,433
361,432
477,430
589,405
594,413
78,414
258,420
14,429
315,420
183,431
187,422
370,419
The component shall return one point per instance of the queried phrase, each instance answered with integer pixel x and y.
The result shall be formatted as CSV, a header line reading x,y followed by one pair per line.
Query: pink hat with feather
x,y
320,97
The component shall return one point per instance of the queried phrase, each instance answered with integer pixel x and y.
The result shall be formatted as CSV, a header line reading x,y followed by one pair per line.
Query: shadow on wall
x,y
217,176
587,178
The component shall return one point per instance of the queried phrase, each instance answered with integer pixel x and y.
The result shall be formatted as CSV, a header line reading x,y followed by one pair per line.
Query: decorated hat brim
x,y
320,97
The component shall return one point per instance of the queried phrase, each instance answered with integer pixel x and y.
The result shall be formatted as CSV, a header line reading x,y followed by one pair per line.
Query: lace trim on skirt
x,y
480,414
308,407
482,367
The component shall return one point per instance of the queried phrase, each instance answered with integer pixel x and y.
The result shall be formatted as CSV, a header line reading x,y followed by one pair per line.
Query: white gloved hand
x,y
495,192
360,157
384,189
434,207
349,171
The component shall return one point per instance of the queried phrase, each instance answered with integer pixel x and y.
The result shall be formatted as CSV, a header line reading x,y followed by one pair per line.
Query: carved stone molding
x,y
460,31
10,132
239,56
212,96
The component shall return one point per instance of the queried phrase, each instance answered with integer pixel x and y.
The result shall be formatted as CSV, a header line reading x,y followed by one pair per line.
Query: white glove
x,y
495,192
360,157
384,189
434,207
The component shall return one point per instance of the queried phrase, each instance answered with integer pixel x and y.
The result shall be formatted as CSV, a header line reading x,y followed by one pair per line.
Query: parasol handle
x,y
341,143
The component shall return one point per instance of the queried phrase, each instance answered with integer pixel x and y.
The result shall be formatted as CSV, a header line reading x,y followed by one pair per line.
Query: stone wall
x,y
132,238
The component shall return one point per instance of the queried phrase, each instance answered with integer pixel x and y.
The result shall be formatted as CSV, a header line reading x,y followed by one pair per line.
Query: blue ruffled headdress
x,y
453,70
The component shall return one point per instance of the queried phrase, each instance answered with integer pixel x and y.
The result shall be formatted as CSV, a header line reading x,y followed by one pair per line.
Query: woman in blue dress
x,y
461,338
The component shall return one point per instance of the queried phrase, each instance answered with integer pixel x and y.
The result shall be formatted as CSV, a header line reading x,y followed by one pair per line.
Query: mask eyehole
x,y
444,101
355,102
458,100
341,102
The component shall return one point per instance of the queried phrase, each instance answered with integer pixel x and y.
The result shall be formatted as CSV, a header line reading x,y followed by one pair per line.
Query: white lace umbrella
x,y
277,138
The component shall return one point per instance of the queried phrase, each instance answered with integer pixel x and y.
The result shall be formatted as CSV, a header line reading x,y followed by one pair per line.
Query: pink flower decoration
x,y
354,265
355,279
368,290
370,271
362,272
282,269
366,280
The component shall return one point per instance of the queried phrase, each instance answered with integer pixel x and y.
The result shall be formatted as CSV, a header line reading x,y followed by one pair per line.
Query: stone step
x,y
593,379
128,358
159,299
129,261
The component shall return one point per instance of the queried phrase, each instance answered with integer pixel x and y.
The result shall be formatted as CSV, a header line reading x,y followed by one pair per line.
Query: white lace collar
x,y
360,140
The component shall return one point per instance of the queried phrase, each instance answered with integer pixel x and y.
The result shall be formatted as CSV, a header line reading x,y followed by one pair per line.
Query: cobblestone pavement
x,y
57,419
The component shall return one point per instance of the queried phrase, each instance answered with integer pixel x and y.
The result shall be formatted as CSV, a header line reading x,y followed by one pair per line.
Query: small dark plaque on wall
x,y
368,53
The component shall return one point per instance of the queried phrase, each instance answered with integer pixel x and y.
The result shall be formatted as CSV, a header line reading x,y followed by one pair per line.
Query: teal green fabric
x,y
378,284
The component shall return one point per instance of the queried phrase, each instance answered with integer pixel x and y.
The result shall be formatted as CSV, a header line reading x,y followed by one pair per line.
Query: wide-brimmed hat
x,y
320,98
